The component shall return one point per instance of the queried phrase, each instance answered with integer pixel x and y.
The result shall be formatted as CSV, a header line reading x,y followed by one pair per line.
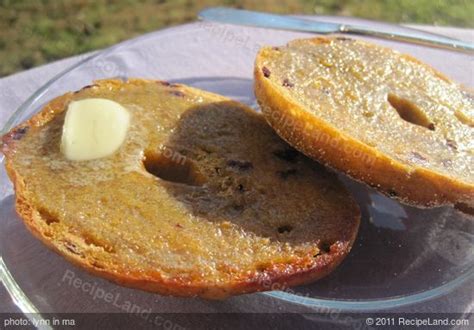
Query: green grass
x,y
33,32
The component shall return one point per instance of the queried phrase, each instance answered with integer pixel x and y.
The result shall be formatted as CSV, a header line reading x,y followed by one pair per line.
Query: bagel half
x,y
382,117
202,198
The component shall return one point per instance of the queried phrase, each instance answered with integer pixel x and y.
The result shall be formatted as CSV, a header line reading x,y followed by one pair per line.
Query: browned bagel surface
x,y
202,199
382,117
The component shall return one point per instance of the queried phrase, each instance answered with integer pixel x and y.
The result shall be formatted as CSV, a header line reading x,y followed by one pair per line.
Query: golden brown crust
x,y
279,278
321,141
70,245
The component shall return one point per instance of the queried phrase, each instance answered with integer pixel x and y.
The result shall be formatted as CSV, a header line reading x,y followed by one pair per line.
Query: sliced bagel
x,y
382,117
202,198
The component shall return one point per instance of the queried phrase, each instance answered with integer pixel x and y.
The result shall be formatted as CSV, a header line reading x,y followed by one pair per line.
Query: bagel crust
x,y
379,116
202,199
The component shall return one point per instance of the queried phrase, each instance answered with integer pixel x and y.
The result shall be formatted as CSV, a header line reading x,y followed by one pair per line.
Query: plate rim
x,y
22,301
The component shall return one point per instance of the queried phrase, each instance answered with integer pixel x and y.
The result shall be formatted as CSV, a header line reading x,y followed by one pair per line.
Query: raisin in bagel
x,y
381,117
202,198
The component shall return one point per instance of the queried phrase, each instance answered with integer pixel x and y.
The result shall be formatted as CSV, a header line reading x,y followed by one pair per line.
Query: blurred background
x,y
33,32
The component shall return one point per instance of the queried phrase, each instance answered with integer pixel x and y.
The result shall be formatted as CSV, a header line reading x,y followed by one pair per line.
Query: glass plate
x,y
402,254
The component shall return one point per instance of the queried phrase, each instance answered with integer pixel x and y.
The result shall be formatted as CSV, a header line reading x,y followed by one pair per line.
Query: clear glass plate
x,y
402,254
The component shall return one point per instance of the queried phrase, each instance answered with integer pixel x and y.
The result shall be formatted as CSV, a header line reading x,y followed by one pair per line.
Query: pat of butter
x,y
93,128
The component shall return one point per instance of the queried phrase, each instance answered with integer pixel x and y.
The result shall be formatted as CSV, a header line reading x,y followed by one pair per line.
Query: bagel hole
x,y
409,111
172,166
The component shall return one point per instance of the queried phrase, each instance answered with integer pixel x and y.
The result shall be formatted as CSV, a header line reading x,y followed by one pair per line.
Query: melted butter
x,y
93,128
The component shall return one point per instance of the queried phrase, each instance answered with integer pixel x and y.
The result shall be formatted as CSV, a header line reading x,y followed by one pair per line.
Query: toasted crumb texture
x,y
202,199
382,117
